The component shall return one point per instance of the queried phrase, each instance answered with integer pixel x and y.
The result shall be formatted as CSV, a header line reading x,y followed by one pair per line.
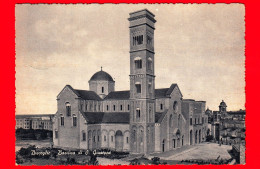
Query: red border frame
x,y
8,80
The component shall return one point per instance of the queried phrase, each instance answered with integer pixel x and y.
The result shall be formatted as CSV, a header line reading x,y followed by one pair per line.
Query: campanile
x,y
142,85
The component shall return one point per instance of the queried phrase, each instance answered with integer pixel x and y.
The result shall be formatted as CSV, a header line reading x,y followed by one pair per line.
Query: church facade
x,y
141,120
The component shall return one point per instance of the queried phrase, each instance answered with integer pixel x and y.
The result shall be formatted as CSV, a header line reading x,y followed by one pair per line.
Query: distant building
x,y
228,126
197,124
39,121
141,120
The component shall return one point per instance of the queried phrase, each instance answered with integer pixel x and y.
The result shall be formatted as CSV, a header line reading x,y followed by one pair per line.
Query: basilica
x,y
141,120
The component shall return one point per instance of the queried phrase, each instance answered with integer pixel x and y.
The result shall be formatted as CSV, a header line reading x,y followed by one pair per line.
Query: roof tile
x,y
108,117
118,95
87,95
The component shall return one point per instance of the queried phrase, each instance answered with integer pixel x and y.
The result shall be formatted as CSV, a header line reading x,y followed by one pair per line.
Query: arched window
x,y
86,107
107,107
138,40
134,135
114,107
68,109
62,120
151,137
89,138
128,107
56,134
149,63
94,136
74,120
171,121
81,106
102,89
175,106
138,87
179,120
150,87
182,140
150,114
121,107
161,106
83,136
141,135
141,39
149,40
90,107
138,113
138,63
98,135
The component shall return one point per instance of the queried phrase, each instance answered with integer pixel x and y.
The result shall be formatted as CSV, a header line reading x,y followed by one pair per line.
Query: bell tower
x,y
142,94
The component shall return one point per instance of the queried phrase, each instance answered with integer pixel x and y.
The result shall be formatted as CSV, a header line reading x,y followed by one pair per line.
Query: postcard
x,y
130,84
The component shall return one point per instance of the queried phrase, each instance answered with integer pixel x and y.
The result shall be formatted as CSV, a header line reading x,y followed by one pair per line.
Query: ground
x,y
204,151
26,143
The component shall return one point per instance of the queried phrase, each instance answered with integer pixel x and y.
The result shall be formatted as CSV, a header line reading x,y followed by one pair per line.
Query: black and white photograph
x,y
130,84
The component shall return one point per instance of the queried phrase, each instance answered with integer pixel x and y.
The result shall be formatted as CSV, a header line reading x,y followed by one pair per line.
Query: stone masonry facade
x,y
141,120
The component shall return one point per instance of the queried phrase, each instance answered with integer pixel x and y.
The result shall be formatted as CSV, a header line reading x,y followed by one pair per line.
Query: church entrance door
x,y
119,141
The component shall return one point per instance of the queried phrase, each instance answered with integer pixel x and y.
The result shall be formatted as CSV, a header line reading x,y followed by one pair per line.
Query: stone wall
x,y
68,135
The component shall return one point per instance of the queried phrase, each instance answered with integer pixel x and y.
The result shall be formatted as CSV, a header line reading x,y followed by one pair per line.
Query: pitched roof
x,y
87,94
125,95
159,116
84,94
101,117
118,95
160,93
165,92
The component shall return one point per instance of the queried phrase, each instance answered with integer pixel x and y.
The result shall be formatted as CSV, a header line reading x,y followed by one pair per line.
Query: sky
x,y
198,46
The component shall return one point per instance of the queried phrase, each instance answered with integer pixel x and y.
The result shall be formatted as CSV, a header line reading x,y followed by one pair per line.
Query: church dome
x,y
222,104
101,75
